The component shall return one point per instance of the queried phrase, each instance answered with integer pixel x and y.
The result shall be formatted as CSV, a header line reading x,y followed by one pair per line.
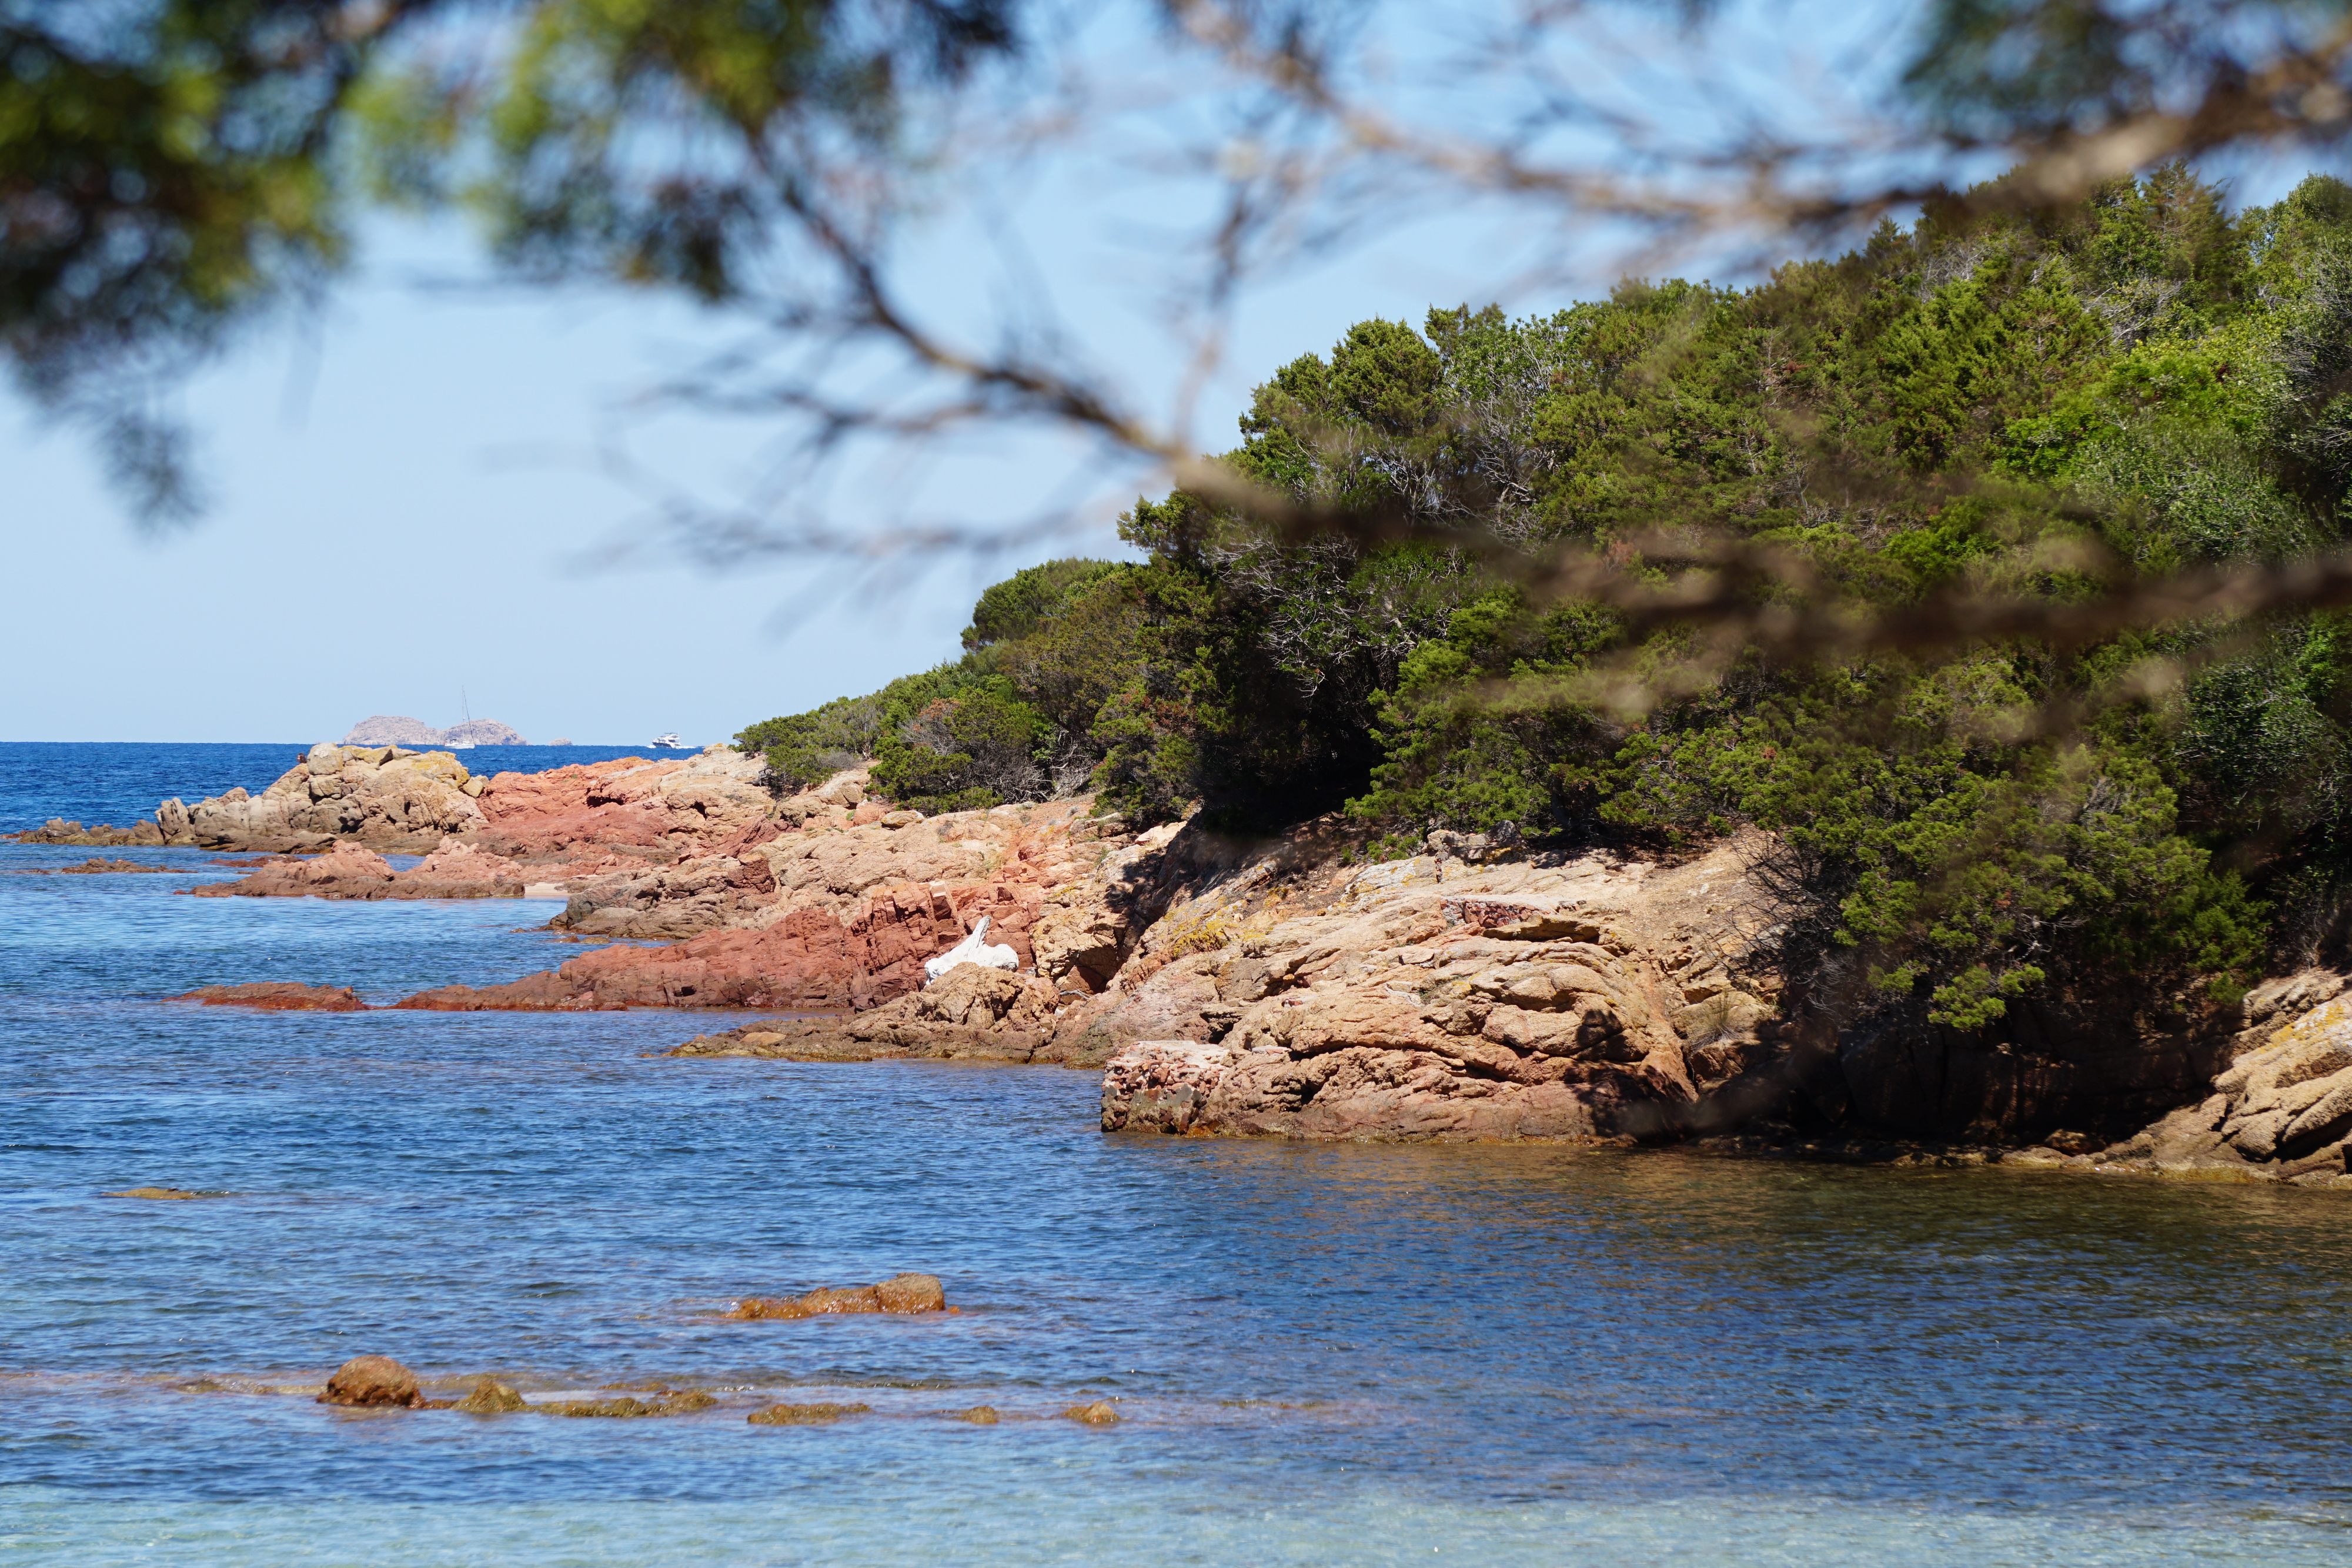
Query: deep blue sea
x,y
1323,1355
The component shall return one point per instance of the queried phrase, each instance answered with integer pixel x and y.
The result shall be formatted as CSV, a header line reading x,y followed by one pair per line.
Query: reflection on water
x,y
1322,1354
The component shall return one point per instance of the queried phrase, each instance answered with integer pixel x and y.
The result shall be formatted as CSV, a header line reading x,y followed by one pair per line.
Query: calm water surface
x,y
1323,1355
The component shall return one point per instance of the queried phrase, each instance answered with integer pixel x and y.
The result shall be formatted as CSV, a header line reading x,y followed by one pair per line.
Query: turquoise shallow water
x,y
1323,1355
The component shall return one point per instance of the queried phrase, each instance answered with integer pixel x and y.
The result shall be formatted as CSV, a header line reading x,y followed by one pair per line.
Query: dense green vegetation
x,y
2018,405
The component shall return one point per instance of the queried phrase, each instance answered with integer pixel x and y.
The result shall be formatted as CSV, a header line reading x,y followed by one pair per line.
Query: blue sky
x,y
405,507
406,514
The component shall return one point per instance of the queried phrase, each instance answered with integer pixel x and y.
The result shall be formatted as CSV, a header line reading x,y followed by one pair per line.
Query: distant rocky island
x,y
392,729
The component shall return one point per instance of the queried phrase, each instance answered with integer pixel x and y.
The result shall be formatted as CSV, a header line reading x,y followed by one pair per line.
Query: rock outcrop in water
x,y
456,870
622,817
902,1293
806,1414
382,796
1590,998
2278,1108
973,1014
1473,992
59,830
277,996
373,1380
491,1397
628,813
390,729
1270,989
835,913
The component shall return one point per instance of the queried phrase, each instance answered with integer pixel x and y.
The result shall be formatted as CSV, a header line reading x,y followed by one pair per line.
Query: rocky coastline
x,y
1276,989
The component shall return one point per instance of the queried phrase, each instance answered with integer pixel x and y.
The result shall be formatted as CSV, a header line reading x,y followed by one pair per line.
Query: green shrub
x,y
2033,404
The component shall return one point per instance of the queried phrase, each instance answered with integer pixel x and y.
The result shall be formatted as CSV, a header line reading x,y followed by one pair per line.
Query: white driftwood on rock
x,y
973,949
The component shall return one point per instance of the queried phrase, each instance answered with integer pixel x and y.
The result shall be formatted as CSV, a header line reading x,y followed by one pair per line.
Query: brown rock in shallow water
x,y
280,996
370,1380
912,1293
899,1293
491,1397
159,1194
455,870
623,1409
804,1414
1099,1413
979,1415
972,1013
815,1303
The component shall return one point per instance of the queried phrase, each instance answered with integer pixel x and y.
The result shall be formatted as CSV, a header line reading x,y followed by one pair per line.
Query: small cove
x,y
1322,1353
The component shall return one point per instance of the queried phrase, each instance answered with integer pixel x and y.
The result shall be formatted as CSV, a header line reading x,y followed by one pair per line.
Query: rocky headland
x,y
577,820
833,903
1476,992
1282,987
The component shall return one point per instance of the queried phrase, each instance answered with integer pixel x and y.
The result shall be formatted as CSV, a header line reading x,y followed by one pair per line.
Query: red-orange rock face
x,y
678,806
277,996
456,870
811,959
410,801
811,904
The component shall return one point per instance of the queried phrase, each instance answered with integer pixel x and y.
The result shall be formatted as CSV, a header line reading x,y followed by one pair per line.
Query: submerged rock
x,y
1099,1413
455,870
281,995
372,1380
346,870
57,831
911,1293
1162,1085
899,1293
157,1194
804,1414
491,1397
979,1415
622,1409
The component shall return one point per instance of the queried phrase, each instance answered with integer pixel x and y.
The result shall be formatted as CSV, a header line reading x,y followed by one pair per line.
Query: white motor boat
x,y
669,742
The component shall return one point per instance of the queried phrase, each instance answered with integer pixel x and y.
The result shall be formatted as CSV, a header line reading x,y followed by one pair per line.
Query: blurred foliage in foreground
x,y
2036,406
173,170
